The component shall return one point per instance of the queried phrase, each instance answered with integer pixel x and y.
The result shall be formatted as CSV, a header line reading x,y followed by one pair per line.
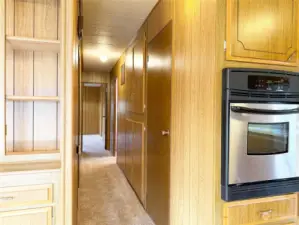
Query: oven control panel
x,y
268,83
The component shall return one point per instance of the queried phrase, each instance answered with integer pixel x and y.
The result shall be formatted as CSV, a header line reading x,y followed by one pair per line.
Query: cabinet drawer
x,y
26,195
283,222
39,216
261,210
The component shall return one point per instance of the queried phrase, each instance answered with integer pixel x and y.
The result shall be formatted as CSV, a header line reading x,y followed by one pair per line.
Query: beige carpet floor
x,y
105,197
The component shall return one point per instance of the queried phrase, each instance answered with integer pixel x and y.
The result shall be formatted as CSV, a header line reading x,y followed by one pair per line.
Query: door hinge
x,y
147,58
224,45
5,129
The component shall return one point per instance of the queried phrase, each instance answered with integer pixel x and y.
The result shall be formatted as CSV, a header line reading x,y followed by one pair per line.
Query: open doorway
x,y
94,119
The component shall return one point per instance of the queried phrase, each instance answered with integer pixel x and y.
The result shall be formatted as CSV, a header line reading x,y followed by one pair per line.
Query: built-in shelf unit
x,y
32,79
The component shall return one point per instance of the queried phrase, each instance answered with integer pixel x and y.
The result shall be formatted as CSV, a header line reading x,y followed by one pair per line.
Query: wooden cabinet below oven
x,y
278,210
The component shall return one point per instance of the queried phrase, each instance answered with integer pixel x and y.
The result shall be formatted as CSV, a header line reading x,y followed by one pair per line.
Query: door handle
x,y
165,132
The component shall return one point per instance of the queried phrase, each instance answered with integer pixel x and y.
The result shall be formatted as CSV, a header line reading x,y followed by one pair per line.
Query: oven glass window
x,y
267,139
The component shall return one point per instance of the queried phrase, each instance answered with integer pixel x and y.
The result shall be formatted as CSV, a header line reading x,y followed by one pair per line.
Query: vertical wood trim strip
x,y
295,24
2,77
228,29
62,108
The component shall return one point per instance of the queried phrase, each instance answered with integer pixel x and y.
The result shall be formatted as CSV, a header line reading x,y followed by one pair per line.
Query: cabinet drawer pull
x,y
266,215
7,198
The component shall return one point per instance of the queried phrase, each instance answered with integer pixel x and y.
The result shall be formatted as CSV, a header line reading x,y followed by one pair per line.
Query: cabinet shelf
x,y
24,152
33,44
32,98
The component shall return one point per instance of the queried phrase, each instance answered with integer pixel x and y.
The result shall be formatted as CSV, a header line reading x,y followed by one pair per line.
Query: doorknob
x,y
165,132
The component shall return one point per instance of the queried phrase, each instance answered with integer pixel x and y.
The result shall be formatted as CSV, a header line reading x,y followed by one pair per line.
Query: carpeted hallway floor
x,y
105,197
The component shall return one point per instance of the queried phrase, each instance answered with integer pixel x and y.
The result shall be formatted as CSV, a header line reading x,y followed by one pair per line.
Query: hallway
x,y
105,197
93,145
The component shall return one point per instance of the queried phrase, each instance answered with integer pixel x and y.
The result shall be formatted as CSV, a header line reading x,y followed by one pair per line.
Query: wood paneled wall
x,y
199,57
121,113
131,112
96,77
196,118
196,108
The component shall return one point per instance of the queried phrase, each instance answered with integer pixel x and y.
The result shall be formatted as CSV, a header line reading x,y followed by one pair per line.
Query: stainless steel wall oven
x,y
260,133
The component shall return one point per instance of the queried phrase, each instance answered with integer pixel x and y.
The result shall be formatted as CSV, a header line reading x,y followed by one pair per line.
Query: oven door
x,y
263,142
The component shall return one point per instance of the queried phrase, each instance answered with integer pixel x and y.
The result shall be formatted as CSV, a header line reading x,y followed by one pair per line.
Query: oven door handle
x,y
240,109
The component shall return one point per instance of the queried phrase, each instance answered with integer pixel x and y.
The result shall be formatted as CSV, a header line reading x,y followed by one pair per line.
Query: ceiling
x,y
108,28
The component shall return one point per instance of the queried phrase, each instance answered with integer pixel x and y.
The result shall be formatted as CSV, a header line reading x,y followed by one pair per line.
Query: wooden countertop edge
x,y
29,166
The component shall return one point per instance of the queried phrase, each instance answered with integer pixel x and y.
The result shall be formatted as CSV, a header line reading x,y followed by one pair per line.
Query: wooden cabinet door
x,y
41,216
129,157
158,126
263,31
135,156
138,77
129,79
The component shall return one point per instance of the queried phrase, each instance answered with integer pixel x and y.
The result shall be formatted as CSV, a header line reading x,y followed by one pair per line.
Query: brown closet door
x,y
158,120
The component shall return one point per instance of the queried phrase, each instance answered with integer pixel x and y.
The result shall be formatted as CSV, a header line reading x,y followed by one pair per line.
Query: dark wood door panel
x,y
158,125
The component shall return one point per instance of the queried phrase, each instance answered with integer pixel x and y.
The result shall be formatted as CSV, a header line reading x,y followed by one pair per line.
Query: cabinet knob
x,y
266,215
165,132
7,198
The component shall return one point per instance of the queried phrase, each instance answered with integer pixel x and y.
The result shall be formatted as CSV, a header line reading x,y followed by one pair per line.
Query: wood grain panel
x,y
23,127
45,74
135,156
158,121
24,18
10,126
93,77
46,19
2,71
129,79
59,19
129,136
23,73
9,73
138,159
70,108
102,111
32,44
91,97
45,116
121,111
159,18
113,115
196,114
138,76
10,17
263,32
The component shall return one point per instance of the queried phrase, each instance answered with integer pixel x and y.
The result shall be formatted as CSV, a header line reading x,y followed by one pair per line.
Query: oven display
x,y
268,83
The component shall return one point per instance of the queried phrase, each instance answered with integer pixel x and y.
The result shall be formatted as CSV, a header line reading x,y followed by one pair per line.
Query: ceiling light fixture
x,y
104,58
